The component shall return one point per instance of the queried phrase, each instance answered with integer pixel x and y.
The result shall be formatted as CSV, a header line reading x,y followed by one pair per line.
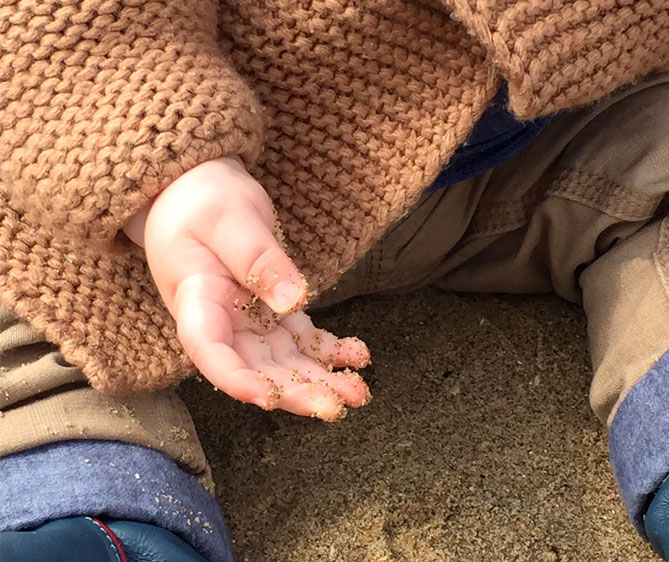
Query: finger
x,y
245,309
293,394
347,384
245,244
308,399
205,331
324,346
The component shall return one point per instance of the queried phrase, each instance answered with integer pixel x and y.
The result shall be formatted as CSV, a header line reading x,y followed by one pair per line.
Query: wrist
x,y
136,224
134,227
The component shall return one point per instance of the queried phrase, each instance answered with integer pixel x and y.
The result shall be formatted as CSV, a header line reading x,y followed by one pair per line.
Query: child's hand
x,y
228,284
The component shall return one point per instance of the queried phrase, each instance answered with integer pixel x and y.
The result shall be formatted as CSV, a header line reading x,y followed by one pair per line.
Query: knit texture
x,y
365,101
98,304
104,102
556,54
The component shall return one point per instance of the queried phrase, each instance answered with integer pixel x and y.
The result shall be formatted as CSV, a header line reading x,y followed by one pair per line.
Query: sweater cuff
x,y
560,54
112,103
639,441
110,480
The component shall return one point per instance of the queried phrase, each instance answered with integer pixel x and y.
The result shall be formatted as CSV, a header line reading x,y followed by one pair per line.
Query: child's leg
x,y
581,211
67,450
45,400
626,298
578,212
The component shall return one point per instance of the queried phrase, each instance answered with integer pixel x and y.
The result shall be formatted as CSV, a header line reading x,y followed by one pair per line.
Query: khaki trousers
x,y
43,400
580,211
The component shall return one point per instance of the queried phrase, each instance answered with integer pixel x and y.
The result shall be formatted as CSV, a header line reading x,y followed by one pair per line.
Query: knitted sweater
x,y
361,102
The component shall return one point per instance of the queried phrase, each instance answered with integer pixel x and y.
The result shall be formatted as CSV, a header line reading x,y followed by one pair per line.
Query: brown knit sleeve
x,y
561,53
104,102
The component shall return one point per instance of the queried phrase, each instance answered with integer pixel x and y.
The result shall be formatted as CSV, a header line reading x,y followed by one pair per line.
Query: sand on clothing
x,y
479,445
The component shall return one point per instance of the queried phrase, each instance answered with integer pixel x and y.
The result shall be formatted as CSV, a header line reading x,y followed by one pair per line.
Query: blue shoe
x,y
86,539
656,520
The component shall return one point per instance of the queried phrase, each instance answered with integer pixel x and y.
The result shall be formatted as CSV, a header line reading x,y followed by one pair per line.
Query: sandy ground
x,y
479,445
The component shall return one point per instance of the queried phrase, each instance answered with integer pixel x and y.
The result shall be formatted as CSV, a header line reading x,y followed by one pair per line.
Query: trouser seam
x,y
605,195
661,254
595,191
377,272
67,387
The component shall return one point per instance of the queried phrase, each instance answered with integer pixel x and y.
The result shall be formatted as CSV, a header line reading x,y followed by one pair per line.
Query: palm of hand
x,y
233,292
299,360
274,361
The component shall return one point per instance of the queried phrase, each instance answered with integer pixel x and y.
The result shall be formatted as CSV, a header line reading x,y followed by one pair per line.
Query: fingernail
x,y
287,295
339,414
269,402
263,403
271,399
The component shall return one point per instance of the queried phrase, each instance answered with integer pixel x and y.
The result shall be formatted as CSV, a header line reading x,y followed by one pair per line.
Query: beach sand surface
x,y
479,445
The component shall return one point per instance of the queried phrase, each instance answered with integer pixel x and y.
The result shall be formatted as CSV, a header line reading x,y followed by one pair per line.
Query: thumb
x,y
245,244
218,210
276,280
